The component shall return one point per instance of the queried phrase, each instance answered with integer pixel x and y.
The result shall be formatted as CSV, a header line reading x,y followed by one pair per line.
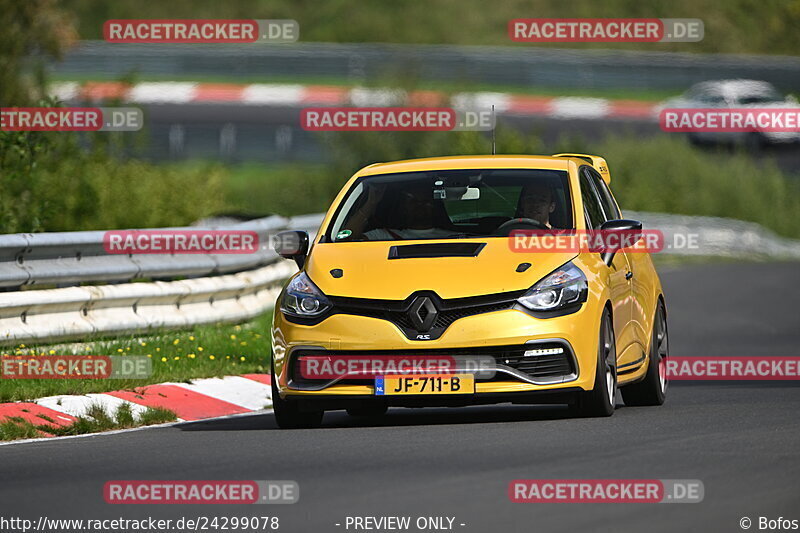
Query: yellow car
x,y
418,291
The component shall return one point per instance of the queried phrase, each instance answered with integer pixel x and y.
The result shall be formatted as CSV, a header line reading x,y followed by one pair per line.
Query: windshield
x,y
452,204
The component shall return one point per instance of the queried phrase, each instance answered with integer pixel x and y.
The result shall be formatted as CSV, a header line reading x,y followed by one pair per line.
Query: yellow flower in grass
x,y
119,350
191,356
149,355
211,357
237,327
233,337
176,358
243,343
241,358
163,359
158,349
191,337
52,352
142,343
199,348
176,341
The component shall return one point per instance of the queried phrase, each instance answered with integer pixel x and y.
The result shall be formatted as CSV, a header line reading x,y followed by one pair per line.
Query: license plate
x,y
425,384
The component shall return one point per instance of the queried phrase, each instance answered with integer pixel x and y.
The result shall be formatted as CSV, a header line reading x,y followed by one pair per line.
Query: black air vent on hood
x,y
436,249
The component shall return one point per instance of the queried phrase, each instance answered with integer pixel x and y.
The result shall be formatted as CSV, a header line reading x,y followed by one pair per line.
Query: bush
x,y
50,183
666,174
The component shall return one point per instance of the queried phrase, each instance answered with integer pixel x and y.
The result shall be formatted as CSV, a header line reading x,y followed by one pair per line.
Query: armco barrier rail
x,y
231,288
72,257
219,288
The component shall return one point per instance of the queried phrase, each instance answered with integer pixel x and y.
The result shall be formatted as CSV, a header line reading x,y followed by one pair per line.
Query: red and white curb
x,y
285,95
198,400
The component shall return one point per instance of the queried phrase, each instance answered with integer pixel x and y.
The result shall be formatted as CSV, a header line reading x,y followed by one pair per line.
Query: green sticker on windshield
x,y
345,233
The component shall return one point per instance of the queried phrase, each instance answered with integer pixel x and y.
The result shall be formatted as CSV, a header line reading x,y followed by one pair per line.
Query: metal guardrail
x,y
499,65
220,288
74,257
719,237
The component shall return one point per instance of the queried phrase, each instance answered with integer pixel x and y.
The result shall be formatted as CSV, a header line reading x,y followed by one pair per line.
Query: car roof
x,y
736,87
467,162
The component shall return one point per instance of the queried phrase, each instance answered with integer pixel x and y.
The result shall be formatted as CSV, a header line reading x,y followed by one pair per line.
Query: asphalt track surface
x,y
740,439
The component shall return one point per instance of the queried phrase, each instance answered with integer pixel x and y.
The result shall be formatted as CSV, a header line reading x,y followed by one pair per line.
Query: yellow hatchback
x,y
457,281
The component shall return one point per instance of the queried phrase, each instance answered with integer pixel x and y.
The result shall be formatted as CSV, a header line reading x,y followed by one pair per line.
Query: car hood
x,y
368,272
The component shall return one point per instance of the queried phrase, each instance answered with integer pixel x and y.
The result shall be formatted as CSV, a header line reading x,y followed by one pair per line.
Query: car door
x,y
618,272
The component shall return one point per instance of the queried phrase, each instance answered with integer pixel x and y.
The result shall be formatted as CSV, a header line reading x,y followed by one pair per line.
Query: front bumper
x,y
354,334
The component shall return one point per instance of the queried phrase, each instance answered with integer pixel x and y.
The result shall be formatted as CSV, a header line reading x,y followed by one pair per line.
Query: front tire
x,y
652,389
288,414
600,400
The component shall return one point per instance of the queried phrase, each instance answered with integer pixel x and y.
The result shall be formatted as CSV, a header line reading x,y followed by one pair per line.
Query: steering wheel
x,y
518,223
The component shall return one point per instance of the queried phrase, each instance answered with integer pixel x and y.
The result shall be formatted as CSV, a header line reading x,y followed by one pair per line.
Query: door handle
x,y
629,274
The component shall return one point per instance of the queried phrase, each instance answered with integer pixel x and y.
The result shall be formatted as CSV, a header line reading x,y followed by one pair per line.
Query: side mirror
x,y
292,245
626,233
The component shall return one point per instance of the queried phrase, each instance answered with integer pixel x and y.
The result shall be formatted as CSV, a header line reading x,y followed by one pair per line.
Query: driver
x,y
536,202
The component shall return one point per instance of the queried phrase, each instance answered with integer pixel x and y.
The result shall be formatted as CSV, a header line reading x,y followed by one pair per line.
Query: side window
x,y
591,203
606,200
712,99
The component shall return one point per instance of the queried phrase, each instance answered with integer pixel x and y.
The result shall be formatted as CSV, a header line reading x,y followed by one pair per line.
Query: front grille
x,y
445,318
537,368
397,311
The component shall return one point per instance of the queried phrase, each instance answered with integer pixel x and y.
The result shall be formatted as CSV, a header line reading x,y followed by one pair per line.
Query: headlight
x,y
302,298
566,286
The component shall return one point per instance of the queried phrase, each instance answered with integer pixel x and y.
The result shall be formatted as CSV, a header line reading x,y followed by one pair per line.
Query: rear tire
x,y
652,389
600,400
288,414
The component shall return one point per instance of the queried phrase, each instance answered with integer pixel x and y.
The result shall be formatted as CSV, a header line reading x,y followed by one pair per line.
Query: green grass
x,y
203,351
617,93
96,420
287,189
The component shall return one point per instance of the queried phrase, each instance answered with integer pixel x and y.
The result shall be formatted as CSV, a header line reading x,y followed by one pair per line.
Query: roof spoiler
x,y
597,162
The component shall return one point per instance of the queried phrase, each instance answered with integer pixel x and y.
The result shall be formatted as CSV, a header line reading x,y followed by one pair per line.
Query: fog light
x,y
543,351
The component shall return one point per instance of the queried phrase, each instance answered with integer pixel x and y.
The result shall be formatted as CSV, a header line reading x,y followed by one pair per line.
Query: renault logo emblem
x,y
423,313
